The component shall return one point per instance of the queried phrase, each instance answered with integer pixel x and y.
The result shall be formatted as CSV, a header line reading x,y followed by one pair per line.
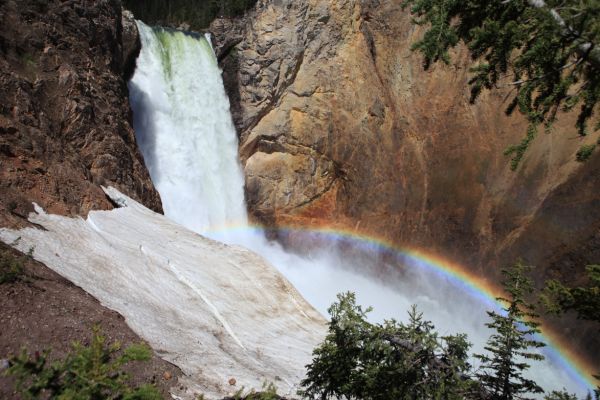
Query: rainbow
x,y
557,349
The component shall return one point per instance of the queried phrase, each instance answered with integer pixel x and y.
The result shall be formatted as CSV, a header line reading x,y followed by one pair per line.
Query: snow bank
x,y
214,310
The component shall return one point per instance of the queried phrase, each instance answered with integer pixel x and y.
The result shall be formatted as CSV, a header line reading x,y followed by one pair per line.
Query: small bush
x,y
87,372
585,152
560,395
269,392
11,267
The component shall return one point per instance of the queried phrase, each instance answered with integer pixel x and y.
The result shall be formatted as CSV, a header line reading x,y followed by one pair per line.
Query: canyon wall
x,y
341,126
65,120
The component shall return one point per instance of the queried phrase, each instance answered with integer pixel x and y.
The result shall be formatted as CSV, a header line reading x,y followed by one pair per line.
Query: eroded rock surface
x,y
341,125
65,121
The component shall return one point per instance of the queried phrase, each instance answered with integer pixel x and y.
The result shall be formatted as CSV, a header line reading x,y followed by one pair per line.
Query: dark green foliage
x,y
501,373
585,300
269,392
518,151
91,372
197,13
585,152
11,267
548,49
562,395
360,360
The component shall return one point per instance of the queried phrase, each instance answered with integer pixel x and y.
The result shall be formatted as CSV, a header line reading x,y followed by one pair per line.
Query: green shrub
x,y
560,395
585,152
86,373
11,267
269,392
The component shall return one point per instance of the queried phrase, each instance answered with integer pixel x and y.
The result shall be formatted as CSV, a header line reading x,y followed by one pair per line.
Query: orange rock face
x,y
340,125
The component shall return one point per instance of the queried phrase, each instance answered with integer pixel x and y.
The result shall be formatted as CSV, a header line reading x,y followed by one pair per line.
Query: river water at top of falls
x,y
185,132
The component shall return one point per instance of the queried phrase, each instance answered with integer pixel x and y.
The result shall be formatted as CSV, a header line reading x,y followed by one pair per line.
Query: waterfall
x,y
185,132
186,135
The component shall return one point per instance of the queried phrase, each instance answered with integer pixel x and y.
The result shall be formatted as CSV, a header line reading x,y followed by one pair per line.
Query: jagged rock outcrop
x,y
341,126
65,121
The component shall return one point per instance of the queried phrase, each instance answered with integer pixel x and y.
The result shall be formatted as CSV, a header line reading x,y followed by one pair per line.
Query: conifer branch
x,y
587,50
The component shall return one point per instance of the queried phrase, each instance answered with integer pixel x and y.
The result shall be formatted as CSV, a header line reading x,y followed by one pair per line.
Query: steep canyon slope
x,y
65,129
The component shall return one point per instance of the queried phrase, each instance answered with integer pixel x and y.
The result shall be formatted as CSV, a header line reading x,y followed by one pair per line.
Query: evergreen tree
x,y
89,372
360,360
547,50
560,395
585,300
509,347
564,395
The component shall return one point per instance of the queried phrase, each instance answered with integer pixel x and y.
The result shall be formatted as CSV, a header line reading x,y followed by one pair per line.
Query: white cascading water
x,y
193,161
185,132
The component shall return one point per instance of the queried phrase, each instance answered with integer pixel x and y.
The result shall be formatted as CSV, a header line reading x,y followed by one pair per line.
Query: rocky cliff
x,y
65,121
340,125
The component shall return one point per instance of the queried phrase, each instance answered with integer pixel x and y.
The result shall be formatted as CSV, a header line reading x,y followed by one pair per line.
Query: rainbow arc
x,y
557,349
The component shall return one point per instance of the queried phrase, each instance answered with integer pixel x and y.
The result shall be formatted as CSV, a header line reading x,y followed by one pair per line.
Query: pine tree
x,y
510,346
90,372
585,300
547,50
561,395
361,360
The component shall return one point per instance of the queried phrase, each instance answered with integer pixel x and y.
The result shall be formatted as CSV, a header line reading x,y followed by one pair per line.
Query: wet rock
x,y
131,43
